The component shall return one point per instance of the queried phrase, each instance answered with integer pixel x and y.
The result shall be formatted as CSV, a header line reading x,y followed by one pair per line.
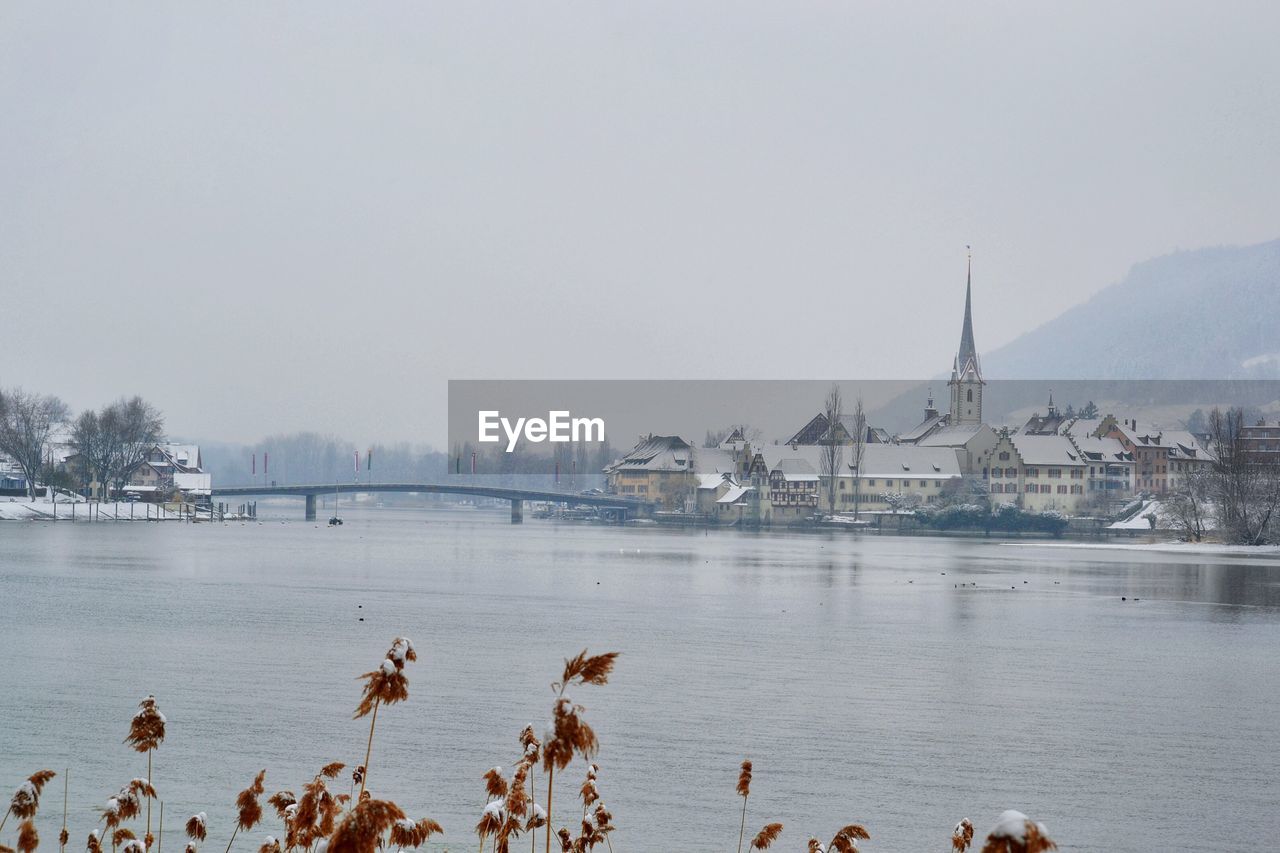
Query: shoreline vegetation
x,y
321,821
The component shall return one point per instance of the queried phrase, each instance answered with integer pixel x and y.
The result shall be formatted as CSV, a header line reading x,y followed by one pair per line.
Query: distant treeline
x,y
310,457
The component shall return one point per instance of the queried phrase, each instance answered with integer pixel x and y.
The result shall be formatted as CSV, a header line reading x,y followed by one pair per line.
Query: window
x,y
969,396
1062,490
996,488
1004,457
924,483
1033,472
871,482
1055,473
997,472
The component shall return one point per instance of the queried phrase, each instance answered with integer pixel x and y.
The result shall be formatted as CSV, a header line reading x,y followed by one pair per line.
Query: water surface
x,y
901,682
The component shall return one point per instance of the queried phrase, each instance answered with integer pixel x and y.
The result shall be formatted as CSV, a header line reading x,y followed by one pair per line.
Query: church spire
x,y
967,352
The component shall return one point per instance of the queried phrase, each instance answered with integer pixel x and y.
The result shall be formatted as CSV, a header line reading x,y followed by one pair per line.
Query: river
x,y
1127,699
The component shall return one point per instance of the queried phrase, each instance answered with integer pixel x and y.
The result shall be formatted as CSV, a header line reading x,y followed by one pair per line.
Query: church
x,y
961,427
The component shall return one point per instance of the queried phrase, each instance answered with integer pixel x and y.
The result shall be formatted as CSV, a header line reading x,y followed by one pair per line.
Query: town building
x,y
1261,442
1037,472
1162,457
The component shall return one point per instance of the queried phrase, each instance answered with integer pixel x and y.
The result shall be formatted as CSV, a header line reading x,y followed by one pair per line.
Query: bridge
x,y
615,506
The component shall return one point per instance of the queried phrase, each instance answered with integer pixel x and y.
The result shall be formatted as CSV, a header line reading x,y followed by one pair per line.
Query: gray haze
x,y
266,218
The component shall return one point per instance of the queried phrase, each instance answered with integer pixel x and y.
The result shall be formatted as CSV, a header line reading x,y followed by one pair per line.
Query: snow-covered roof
x,y
714,480
908,460
923,428
1081,427
733,495
951,436
1108,450
657,453
1180,443
1046,450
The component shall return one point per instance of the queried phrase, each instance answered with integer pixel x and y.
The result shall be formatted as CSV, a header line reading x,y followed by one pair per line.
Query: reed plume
x,y
494,784
317,810
408,833
270,845
362,828
1014,832
248,809
492,820
191,848
133,845
384,686
569,732
26,800
94,843
121,835
962,836
196,828
28,838
845,840
744,791
766,836
281,801
146,732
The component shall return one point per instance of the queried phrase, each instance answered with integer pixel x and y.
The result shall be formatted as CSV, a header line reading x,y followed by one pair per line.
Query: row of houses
x,y
168,470
1053,462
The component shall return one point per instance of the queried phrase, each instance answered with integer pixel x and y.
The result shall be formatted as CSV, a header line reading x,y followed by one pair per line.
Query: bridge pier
x,y
517,511
311,508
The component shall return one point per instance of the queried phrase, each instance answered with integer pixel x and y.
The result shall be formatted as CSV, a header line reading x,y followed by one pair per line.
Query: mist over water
x,y
856,673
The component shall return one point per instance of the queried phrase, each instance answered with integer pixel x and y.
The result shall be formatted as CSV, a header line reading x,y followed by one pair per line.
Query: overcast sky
x,y
269,217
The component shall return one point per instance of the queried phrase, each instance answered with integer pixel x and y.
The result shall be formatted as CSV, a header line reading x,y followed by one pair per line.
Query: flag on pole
x,y
254,465
369,460
457,464
264,463
473,462
557,472
357,456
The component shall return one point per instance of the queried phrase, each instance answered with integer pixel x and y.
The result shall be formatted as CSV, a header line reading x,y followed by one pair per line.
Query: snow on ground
x,y
43,509
1171,546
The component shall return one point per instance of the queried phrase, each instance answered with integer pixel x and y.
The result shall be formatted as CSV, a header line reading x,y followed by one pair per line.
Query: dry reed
x,y
28,838
766,836
248,809
962,836
26,800
361,830
197,830
744,791
407,833
63,836
146,732
570,734
1014,832
384,686
94,842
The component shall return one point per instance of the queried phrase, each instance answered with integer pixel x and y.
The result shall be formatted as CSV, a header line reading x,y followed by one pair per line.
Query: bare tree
x,y
27,420
832,448
858,451
93,444
137,426
1187,508
1245,490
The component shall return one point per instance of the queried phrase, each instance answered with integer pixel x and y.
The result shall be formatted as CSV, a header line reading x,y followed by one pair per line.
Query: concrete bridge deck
x,y
616,505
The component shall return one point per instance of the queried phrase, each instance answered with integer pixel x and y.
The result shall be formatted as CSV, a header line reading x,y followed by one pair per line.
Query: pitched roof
x,y
951,436
1046,450
908,460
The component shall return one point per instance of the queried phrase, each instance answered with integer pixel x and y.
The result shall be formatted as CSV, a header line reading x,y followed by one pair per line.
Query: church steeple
x,y
968,352
966,374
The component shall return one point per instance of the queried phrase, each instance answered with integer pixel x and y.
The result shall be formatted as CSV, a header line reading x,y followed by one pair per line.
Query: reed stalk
x,y
368,750
62,836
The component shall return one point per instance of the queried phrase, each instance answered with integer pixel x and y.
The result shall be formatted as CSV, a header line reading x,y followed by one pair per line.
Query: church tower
x,y
966,375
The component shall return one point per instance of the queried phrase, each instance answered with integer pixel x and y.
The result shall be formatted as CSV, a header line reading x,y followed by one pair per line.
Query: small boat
x,y
334,521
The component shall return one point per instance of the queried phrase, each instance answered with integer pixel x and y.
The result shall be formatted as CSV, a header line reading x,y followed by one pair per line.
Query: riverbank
x,y
1172,546
41,509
